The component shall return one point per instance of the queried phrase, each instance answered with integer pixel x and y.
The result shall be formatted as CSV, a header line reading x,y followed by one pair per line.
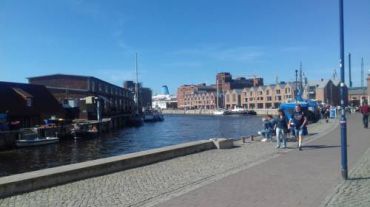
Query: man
x,y
365,113
298,122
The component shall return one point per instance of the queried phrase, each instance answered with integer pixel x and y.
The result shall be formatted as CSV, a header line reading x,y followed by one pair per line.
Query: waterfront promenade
x,y
252,174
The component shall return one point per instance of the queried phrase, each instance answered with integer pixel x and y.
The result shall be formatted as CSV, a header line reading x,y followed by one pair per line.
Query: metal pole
x,y
296,85
343,122
349,70
98,114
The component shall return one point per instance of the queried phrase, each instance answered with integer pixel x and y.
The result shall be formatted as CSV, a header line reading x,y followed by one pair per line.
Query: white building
x,y
163,101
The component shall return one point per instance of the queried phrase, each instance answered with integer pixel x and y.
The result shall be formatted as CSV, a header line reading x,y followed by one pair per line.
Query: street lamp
x,y
343,122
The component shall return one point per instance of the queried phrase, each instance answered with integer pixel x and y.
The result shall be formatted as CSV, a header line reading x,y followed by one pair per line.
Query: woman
x,y
281,126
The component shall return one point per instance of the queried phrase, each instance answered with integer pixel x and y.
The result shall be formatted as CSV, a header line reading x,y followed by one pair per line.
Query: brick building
x,y
264,97
200,100
225,82
233,98
115,100
324,91
185,92
28,104
357,95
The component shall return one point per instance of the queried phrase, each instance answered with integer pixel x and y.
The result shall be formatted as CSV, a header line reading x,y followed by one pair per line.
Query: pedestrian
x,y
281,127
365,113
299,121
267,129
327,114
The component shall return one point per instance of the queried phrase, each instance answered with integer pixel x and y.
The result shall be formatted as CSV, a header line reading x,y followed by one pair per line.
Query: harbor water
x,y
175,129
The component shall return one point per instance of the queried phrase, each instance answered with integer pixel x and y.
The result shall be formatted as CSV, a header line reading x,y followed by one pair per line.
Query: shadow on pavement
x,y
359,178
312,147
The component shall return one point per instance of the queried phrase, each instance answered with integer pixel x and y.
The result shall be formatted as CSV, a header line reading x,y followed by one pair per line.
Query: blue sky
x,y
179,41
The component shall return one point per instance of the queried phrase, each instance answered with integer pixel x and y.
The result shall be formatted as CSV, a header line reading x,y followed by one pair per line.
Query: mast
x,y
217,93
362,72
349,70
300,78
136,85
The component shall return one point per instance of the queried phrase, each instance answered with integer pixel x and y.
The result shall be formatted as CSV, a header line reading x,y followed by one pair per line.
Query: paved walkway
x,y
292,179
253,174
356,190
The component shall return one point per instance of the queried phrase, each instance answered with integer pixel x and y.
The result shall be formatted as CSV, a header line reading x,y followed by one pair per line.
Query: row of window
x,y
267,92
113,90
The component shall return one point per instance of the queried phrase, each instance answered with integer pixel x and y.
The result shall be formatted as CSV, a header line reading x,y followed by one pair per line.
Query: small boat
x,y
153,115
239,111
29,137
219,112
251,112
84,131
36,142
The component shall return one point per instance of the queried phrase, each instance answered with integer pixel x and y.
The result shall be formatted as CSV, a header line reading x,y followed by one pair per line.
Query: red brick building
x,y
115,100
184,92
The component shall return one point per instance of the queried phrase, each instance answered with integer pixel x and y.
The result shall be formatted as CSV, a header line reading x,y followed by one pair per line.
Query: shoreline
x,y
210,112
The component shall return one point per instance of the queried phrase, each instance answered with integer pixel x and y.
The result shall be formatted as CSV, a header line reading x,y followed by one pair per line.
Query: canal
x,y
174,130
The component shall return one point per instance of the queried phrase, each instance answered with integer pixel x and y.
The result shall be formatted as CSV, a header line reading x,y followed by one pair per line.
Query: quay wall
x,y
7,139
189,112
210,111
31,181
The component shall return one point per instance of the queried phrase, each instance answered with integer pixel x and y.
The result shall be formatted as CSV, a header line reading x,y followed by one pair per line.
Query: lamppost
x,y
343,122
296,86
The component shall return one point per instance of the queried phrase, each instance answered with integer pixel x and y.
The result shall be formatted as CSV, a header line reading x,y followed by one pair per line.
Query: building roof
x,y
319,83
357,91
42,101
70,76
60,74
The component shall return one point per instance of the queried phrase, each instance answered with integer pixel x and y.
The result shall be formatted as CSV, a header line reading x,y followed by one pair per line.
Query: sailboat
x,y
219,111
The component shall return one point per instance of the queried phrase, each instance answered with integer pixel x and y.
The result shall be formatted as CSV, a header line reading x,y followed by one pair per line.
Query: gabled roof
x,y
319,83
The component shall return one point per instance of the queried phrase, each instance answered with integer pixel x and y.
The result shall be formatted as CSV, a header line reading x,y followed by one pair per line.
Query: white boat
x,y
221,112
28,138
36,142
238,110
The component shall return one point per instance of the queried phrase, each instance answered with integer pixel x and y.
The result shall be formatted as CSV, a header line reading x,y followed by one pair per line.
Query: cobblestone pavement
x,y
356,190
149,184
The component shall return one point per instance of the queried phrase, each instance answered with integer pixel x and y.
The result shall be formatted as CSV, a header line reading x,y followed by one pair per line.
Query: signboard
x,y
333,113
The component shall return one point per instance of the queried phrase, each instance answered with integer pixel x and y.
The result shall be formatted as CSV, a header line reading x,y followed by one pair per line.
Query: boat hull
x,y
36,142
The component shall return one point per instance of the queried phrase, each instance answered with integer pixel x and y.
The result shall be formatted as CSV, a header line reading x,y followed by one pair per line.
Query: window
x,y
267,92
227,98
29,102
278,91
234,97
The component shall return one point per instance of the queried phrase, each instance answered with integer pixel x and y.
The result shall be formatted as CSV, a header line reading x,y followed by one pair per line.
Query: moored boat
x,y
30,137
153,115
219,112
239,111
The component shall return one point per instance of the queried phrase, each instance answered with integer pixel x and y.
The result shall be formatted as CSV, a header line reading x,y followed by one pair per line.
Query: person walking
x,y
365,113
281,127
299,121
